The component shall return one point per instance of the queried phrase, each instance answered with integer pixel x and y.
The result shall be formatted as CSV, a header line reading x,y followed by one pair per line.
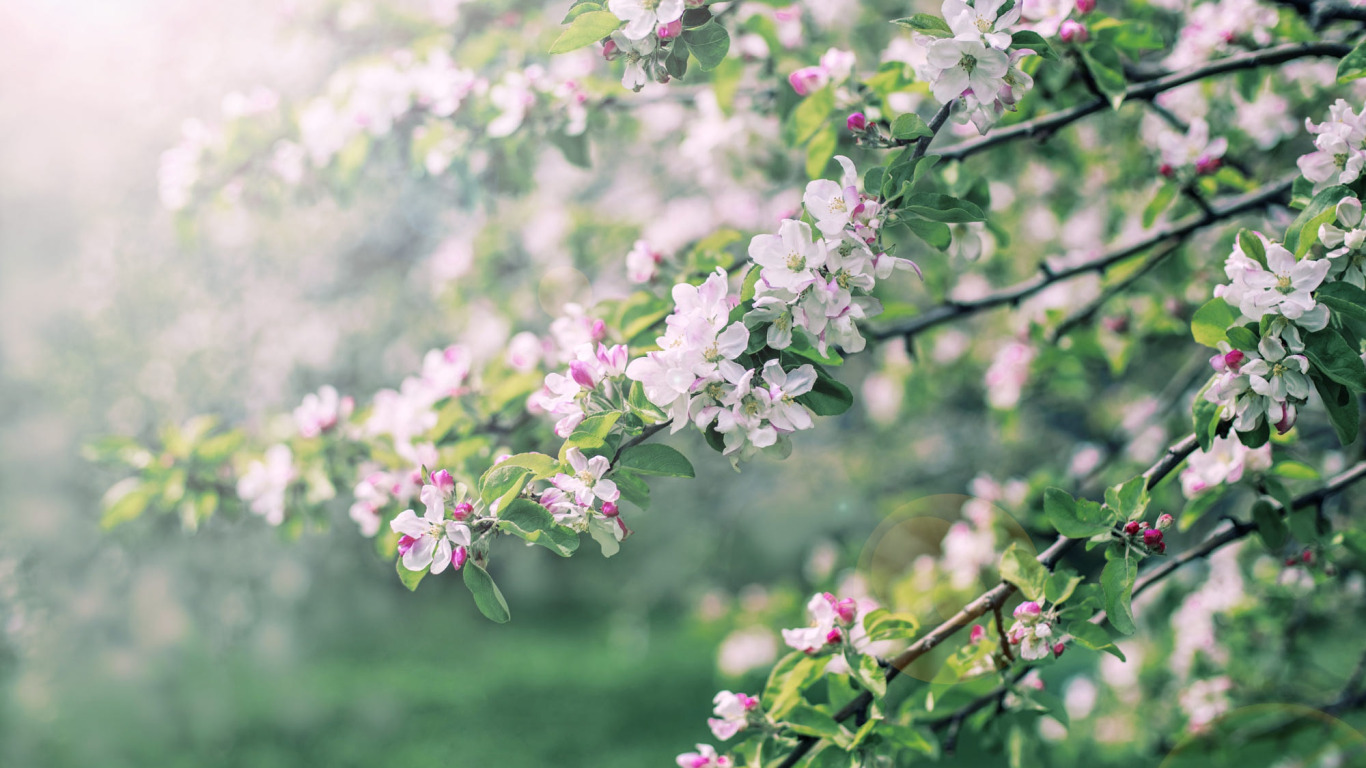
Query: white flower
x,y
704,757
824,629
264,484
320,412
642,263
981,22
966,65
744,420
783,388
637,54
643,17
1193,148
790,257
587,481
431,540
1278,375
1283,288
732,714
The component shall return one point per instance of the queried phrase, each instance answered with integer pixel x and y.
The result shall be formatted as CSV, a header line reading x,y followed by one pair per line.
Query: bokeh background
x,y
235,646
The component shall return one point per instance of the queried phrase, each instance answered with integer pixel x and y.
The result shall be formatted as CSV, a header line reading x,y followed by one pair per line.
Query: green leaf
x,y
809,116
1164,197
1072,518
409,578
1205,417
945,208
1060,586
591,434
831,756
1341,404
502,483
1345,299
910,126
810,721
1295,470
1270,527
1117,579
1211,322
125,501
790,676
1322,209
1129,499
820,150
580,8
1035,42
1093,636
677,62
533,522
1107,70
866,669
908,737
632,488
1353,65
540,465
1021,568
486,594
655,459
827,397
1240,337
927,23
881,624
708,44
934,233
1335,358
585,29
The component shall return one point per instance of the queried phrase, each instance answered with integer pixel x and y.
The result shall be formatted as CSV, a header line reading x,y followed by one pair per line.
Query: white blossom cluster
x,y
1213,28
1271,382
975,64
1340,147
591,385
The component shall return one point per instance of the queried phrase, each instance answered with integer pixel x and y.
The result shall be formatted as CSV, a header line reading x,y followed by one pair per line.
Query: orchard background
x,y
960,286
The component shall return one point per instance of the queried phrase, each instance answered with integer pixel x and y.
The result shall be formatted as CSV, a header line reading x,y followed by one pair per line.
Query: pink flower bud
x,y
1234,359
1206,165
609,49
458,557
748,702
1307,557
462,510
978,632
1291,562
581,373
599,330
1133,527
405,543
1058,649
1073,32
609,509
1166,170
833,637
1161,547
1287,420
671,30
1164,521
846,610
1086,6
443,481
857,122
1152,537
808,80
1028,610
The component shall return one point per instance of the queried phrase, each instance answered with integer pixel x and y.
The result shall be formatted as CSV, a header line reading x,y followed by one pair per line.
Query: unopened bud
x,y
610,50
582,374
857,122
1086,6
609,509
1073,32
462,510
1166,170
458,557
833,637
1058,648
1307,557
1133,527
671,30
1028,611
443,481
1152,537
978,632
1206,165
405,543
1287,420
1164,521
846,610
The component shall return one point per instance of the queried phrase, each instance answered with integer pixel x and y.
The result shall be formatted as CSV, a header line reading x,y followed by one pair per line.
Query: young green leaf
x,y
1117,579
1073,518
585,29
1020,567
655,459
486,594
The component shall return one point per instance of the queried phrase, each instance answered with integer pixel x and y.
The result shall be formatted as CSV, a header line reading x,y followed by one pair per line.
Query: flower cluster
x,y
1212,28
587,501
835,67
1346,239
1272,381
831,620
439,538
591,385
1340,147
1150,538
1191,153
1033,632
265,482
733,713
975,64
321,411
405,415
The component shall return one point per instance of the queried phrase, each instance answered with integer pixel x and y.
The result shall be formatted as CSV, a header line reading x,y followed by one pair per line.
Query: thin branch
x,y
1043,127
1047,276
988,601
1085,313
